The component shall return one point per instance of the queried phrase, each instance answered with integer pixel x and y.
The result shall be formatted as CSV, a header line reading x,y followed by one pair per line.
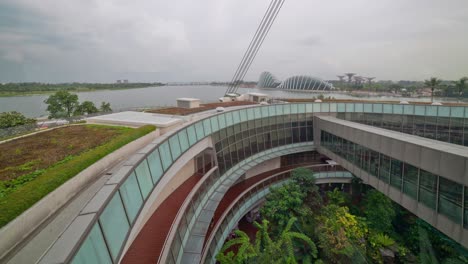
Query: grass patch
x,y
20,193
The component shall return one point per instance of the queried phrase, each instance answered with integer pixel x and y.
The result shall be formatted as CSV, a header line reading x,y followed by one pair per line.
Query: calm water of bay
x,y
34,106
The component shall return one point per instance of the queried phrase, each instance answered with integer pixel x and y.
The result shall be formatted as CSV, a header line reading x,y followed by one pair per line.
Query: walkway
x,y
149,243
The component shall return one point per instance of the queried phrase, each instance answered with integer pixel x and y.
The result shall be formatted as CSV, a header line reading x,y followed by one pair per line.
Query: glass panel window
x,y
265,111
144,179
450,199
427,188
199,130
359,107
465,218
183,139
368,108
93,249
207,126
257,113
155,166
341,107
385,164
114,225
457,111
396,173
243,115
175,146
398,109
456,130
214,123
388,109
410,180
192,136
420,110
222,121
378,108
131,197
165,153
408,109
229,119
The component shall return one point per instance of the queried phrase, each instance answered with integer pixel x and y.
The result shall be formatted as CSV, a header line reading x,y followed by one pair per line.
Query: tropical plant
x,y
460,85
381,240
105,107
433,82
282,204
337,197
266,250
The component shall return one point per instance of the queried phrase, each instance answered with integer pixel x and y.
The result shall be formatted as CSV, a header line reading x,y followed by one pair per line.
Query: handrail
x,y
181,213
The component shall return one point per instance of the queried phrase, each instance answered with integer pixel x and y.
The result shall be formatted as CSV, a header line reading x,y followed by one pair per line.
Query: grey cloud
x,y
183,40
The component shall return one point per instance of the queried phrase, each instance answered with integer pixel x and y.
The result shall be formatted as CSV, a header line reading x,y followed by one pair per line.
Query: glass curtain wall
x,y
440,194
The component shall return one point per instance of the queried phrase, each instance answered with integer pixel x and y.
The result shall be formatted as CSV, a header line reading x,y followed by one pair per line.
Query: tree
x,y
379,211
105,107
460,85
62,104
282,204
13,119
433,82
87,107
305,179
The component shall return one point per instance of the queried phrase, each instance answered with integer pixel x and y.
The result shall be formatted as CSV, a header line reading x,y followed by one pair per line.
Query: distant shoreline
x,y
46,92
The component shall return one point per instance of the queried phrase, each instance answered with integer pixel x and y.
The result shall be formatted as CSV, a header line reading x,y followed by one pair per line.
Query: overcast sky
x,y
182,40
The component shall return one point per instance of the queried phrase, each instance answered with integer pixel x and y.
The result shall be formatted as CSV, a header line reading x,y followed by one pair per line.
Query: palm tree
x,y
265,250
460,85
433,82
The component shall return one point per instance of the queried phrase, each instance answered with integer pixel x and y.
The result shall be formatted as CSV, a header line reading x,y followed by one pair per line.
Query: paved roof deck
x,y
136,118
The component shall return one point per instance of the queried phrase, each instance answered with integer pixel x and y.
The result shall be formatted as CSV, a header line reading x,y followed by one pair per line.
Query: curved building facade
x,y
176,200
299,83
267,80
305,83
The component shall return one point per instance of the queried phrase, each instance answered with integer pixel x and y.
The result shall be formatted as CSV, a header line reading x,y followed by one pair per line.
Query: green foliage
x,y
305,179
266,250
105,107
62,104
379,211
460,85
13,119
33,87
337,197
380,240
341,234
32,187
433,82
282,204
87,107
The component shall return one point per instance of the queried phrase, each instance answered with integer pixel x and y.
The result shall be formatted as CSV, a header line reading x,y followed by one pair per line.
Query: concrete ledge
x,y
21,227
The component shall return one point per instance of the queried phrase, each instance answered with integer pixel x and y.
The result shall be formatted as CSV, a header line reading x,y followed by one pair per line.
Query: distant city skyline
x,y
156,41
